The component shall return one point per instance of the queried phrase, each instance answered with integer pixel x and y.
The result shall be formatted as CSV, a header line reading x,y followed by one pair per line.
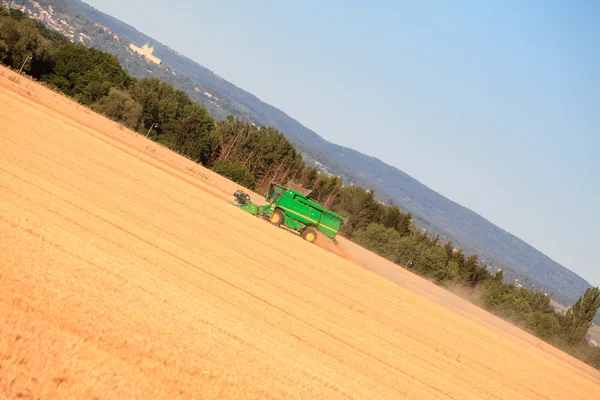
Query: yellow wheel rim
x,y
310,237
275,218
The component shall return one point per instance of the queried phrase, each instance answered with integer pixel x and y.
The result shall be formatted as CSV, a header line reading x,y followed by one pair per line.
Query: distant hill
x,y
431,210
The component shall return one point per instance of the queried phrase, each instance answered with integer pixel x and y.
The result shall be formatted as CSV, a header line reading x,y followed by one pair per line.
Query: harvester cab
x,y
275,192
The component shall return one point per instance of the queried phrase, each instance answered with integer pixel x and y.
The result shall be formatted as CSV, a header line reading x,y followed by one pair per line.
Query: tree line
x,y
254,156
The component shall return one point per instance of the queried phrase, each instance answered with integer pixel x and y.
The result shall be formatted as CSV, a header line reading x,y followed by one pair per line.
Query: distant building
x,y
146,51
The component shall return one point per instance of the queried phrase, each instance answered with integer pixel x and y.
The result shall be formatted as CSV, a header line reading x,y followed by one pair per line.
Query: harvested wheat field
x,y
124,273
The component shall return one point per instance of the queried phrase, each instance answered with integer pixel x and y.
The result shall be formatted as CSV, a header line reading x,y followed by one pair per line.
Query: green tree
x,y
309,177
121,107
469,271
404,226
360,206
546,326
194,136
451,271
449,248
145,92
379,239
578,318
431,261
499,277
17,15
520,311
391,217
407,250
86,74
498,296
235,171
265,151
20,39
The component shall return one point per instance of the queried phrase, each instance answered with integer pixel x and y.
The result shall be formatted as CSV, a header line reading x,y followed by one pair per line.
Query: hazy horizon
x,y
490,105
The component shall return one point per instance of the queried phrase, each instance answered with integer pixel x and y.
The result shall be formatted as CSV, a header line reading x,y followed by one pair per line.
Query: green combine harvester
x,y
294,210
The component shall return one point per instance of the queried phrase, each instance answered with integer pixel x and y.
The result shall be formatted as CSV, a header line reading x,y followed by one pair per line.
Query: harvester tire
x,y
309,235
276,218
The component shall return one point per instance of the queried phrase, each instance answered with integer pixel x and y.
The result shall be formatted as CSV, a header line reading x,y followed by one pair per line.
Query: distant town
x,y
52,20
74,33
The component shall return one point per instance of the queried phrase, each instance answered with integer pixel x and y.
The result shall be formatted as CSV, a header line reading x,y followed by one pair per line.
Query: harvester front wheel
x,y
309,235
276,218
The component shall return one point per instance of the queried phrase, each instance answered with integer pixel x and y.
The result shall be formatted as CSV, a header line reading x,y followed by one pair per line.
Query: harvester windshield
x,y
275,192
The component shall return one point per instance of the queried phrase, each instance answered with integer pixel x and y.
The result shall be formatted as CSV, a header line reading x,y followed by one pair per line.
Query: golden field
x,y
125,273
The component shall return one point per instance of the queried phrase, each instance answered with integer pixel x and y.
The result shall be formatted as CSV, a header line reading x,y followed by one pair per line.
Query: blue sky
x,y
495,105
